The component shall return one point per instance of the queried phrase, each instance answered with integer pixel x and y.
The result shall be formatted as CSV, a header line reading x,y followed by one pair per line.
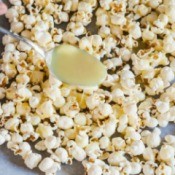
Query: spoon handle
x,y
25,40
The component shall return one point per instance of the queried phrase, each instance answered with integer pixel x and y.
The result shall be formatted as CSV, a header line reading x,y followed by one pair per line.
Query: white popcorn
x,y
104,142
105,4
52,92
78,153
156,84
116,157
8,108
82,139
15,2
45,110
103,111
5,134
40,146
43,38
32,160
148,169
97,132
52,142
93,149
85,7
113,170
80,119
92,101
34,101
65,122
135,31
26,128
77,28
168,44
62,155
47,165
148,35
63,16
12,124
135,40
95,169
154,4
24,93
169,12
10,70
70,37
29,20
149,154
22,108
167,74
135,168
102,20
22,79
23,47
163,169
109,128
2,140
170,139
162,107
11,14
130,133
166,153
16,138
118,19
10,47
137,148
104,31
24,148
153,139
123,121
17,27
44,131
118,143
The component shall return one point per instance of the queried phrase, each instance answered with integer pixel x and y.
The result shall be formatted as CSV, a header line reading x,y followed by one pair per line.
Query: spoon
x,y
68,63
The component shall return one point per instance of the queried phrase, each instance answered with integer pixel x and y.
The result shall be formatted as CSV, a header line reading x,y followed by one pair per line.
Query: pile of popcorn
x,y
113,129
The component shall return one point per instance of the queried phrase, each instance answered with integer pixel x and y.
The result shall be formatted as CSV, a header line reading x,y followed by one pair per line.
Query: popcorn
x,y
8,109
166,153
136,148
17,27
65,122
135,41
52,142
44,131
62,155
95,170
47,165
116,157
78,153
45,110
82,139
32,160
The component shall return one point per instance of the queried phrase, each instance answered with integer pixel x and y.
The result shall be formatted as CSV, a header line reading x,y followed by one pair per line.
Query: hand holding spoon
x,y
69,64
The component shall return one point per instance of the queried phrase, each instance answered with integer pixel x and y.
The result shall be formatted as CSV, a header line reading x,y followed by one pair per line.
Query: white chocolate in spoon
x,y
75,66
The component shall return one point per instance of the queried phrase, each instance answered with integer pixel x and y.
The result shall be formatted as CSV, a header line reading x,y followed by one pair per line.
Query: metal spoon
x,y
68,63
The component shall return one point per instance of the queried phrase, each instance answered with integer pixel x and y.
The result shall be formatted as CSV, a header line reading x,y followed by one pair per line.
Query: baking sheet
x,y
14,165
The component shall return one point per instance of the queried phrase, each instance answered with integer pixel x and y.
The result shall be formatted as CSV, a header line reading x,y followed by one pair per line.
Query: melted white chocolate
x,y
76,67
